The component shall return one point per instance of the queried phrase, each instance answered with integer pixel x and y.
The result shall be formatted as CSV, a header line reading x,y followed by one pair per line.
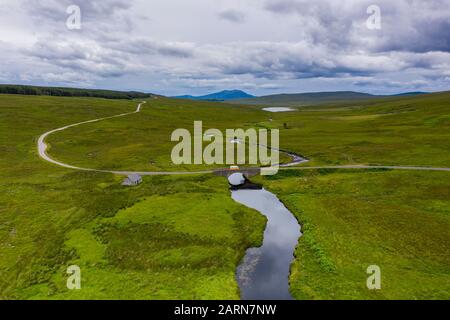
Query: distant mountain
x,y
299,99
225,95
304,99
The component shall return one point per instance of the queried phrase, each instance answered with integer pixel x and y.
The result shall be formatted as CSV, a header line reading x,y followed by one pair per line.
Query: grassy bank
x,y
397,220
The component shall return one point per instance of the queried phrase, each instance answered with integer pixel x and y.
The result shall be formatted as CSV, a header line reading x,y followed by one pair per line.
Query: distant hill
x,y
304,99
71,92
411,93
225,95
299,99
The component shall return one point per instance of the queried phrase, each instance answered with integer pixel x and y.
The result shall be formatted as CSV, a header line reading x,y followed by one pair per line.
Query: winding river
x,y
264,272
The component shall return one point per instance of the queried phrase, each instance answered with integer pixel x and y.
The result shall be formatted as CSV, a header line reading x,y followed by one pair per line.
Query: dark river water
x,y
264,272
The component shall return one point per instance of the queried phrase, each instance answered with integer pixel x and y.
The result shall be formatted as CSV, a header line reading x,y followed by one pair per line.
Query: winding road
x,y
42,149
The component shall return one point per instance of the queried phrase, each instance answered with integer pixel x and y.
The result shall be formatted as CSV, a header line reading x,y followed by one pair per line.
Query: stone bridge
x,y
247,172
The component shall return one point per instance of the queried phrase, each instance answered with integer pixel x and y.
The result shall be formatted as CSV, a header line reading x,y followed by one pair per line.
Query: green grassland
x,y
183,236
142,141
400,131
168,238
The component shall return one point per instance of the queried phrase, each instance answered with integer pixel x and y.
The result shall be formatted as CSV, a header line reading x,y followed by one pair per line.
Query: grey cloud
x,y
109,59
87,58
147,46
304,41
298,60
287,6
232,16
407,25
99,18
415,84
261,60
90,9
423,36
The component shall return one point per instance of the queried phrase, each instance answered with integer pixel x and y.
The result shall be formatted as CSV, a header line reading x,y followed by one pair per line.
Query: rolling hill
x,y
225,95
314,98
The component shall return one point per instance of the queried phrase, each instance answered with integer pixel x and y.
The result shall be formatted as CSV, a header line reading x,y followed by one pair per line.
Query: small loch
x,y
278,109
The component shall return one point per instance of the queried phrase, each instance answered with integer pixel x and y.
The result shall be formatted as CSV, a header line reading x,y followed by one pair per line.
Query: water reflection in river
x,y
264,272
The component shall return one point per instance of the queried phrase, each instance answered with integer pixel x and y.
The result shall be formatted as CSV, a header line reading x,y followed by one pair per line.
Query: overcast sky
x,y
175,47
